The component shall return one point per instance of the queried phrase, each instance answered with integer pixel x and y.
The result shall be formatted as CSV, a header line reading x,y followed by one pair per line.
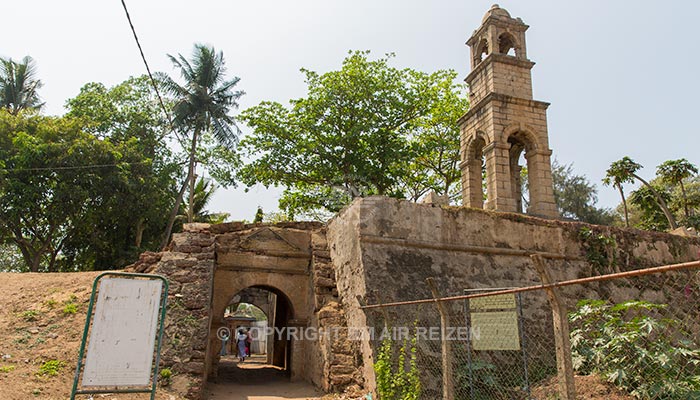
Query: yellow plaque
x,y
500,301
497,330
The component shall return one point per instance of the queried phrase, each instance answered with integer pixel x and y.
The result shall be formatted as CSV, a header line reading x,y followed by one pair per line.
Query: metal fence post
x,y
565,370
448,388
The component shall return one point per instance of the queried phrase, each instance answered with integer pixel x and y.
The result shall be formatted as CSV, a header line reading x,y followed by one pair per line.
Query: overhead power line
x,y
72,167
150,75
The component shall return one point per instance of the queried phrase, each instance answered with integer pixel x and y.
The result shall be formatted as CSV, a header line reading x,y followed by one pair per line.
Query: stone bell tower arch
x,y
503,122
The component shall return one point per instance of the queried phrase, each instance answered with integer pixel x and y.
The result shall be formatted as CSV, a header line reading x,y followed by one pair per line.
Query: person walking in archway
x,y
241,340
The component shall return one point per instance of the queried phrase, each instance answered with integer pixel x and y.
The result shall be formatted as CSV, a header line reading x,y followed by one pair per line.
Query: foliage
x,y
600,249
617,175
258,216
128,116
485,379
70,309
674,172
348,138
18,85
165,376
30,315
576,196
203,192
7,368
644,212
402,382
434,141
201,110
625,170
47,197
650,216
51,368
633,347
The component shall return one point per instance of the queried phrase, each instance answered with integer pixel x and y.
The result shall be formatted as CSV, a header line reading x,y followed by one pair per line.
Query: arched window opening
x,y
482,50
519,171
506,44
480,161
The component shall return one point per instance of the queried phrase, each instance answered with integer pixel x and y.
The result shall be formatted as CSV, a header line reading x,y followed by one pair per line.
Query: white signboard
x,y
122,338
496,330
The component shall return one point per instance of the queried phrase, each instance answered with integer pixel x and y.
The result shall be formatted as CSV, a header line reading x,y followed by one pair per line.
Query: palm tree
x,y
202,105
674,172
18,85
203,192
625,170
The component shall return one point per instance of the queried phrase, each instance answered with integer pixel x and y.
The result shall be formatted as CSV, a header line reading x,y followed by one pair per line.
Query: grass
x,y
30,315
50,368
7,368
70,308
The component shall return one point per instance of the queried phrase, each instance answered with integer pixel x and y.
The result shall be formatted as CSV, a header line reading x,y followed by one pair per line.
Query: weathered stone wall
x,y
389,246
189,267
207,265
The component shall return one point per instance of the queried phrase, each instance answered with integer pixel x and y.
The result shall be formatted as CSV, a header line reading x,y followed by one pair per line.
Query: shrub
x,y
30,315
165,375
51,368
630,345
70,308
402,383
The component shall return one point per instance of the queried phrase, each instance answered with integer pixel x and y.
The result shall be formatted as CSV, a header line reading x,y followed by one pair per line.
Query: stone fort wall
x,y
388,247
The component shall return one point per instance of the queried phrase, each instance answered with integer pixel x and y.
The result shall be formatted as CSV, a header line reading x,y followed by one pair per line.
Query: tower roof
x,y
496,11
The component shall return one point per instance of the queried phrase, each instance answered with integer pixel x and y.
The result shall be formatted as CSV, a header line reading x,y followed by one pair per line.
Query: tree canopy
x,y
349,137
66,180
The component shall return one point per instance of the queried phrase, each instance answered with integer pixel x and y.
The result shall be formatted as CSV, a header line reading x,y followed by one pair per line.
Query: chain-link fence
x,y
632,335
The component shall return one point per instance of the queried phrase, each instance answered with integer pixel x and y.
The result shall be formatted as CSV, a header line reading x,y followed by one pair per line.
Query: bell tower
x,y
503,122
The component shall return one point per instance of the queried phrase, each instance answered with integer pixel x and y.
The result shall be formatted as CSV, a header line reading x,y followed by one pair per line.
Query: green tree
x,y
576,196
674,172
47,195
129,117
434,139
259,215
650,216
201,105
19,86
625,170
347,138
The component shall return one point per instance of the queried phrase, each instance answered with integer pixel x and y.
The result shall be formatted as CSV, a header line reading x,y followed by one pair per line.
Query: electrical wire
x,y
150,75
72,167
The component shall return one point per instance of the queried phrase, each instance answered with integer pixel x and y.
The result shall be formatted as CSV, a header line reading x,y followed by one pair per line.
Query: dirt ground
x,y
37,325
254,380
589,387
42,317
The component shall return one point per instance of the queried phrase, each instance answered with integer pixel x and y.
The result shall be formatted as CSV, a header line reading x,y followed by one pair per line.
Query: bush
x,y
402,382
630,345
165,376
51,368
70,308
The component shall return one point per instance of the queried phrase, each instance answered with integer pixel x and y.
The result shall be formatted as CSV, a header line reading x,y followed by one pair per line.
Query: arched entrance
x,y
270,267
263,313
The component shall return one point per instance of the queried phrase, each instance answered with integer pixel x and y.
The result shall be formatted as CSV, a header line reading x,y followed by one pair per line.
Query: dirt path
x,y
254,380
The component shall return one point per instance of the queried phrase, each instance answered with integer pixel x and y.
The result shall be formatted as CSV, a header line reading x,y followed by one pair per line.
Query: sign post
x,y
123,335
498,320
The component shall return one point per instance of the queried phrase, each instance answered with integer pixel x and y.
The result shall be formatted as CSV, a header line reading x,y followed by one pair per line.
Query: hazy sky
x,y
622,76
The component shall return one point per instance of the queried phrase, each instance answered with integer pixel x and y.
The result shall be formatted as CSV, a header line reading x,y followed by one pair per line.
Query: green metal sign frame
x,y
159,339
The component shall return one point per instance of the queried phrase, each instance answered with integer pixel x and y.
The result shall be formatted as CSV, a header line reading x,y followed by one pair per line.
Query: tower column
x,y
499,190
541,185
